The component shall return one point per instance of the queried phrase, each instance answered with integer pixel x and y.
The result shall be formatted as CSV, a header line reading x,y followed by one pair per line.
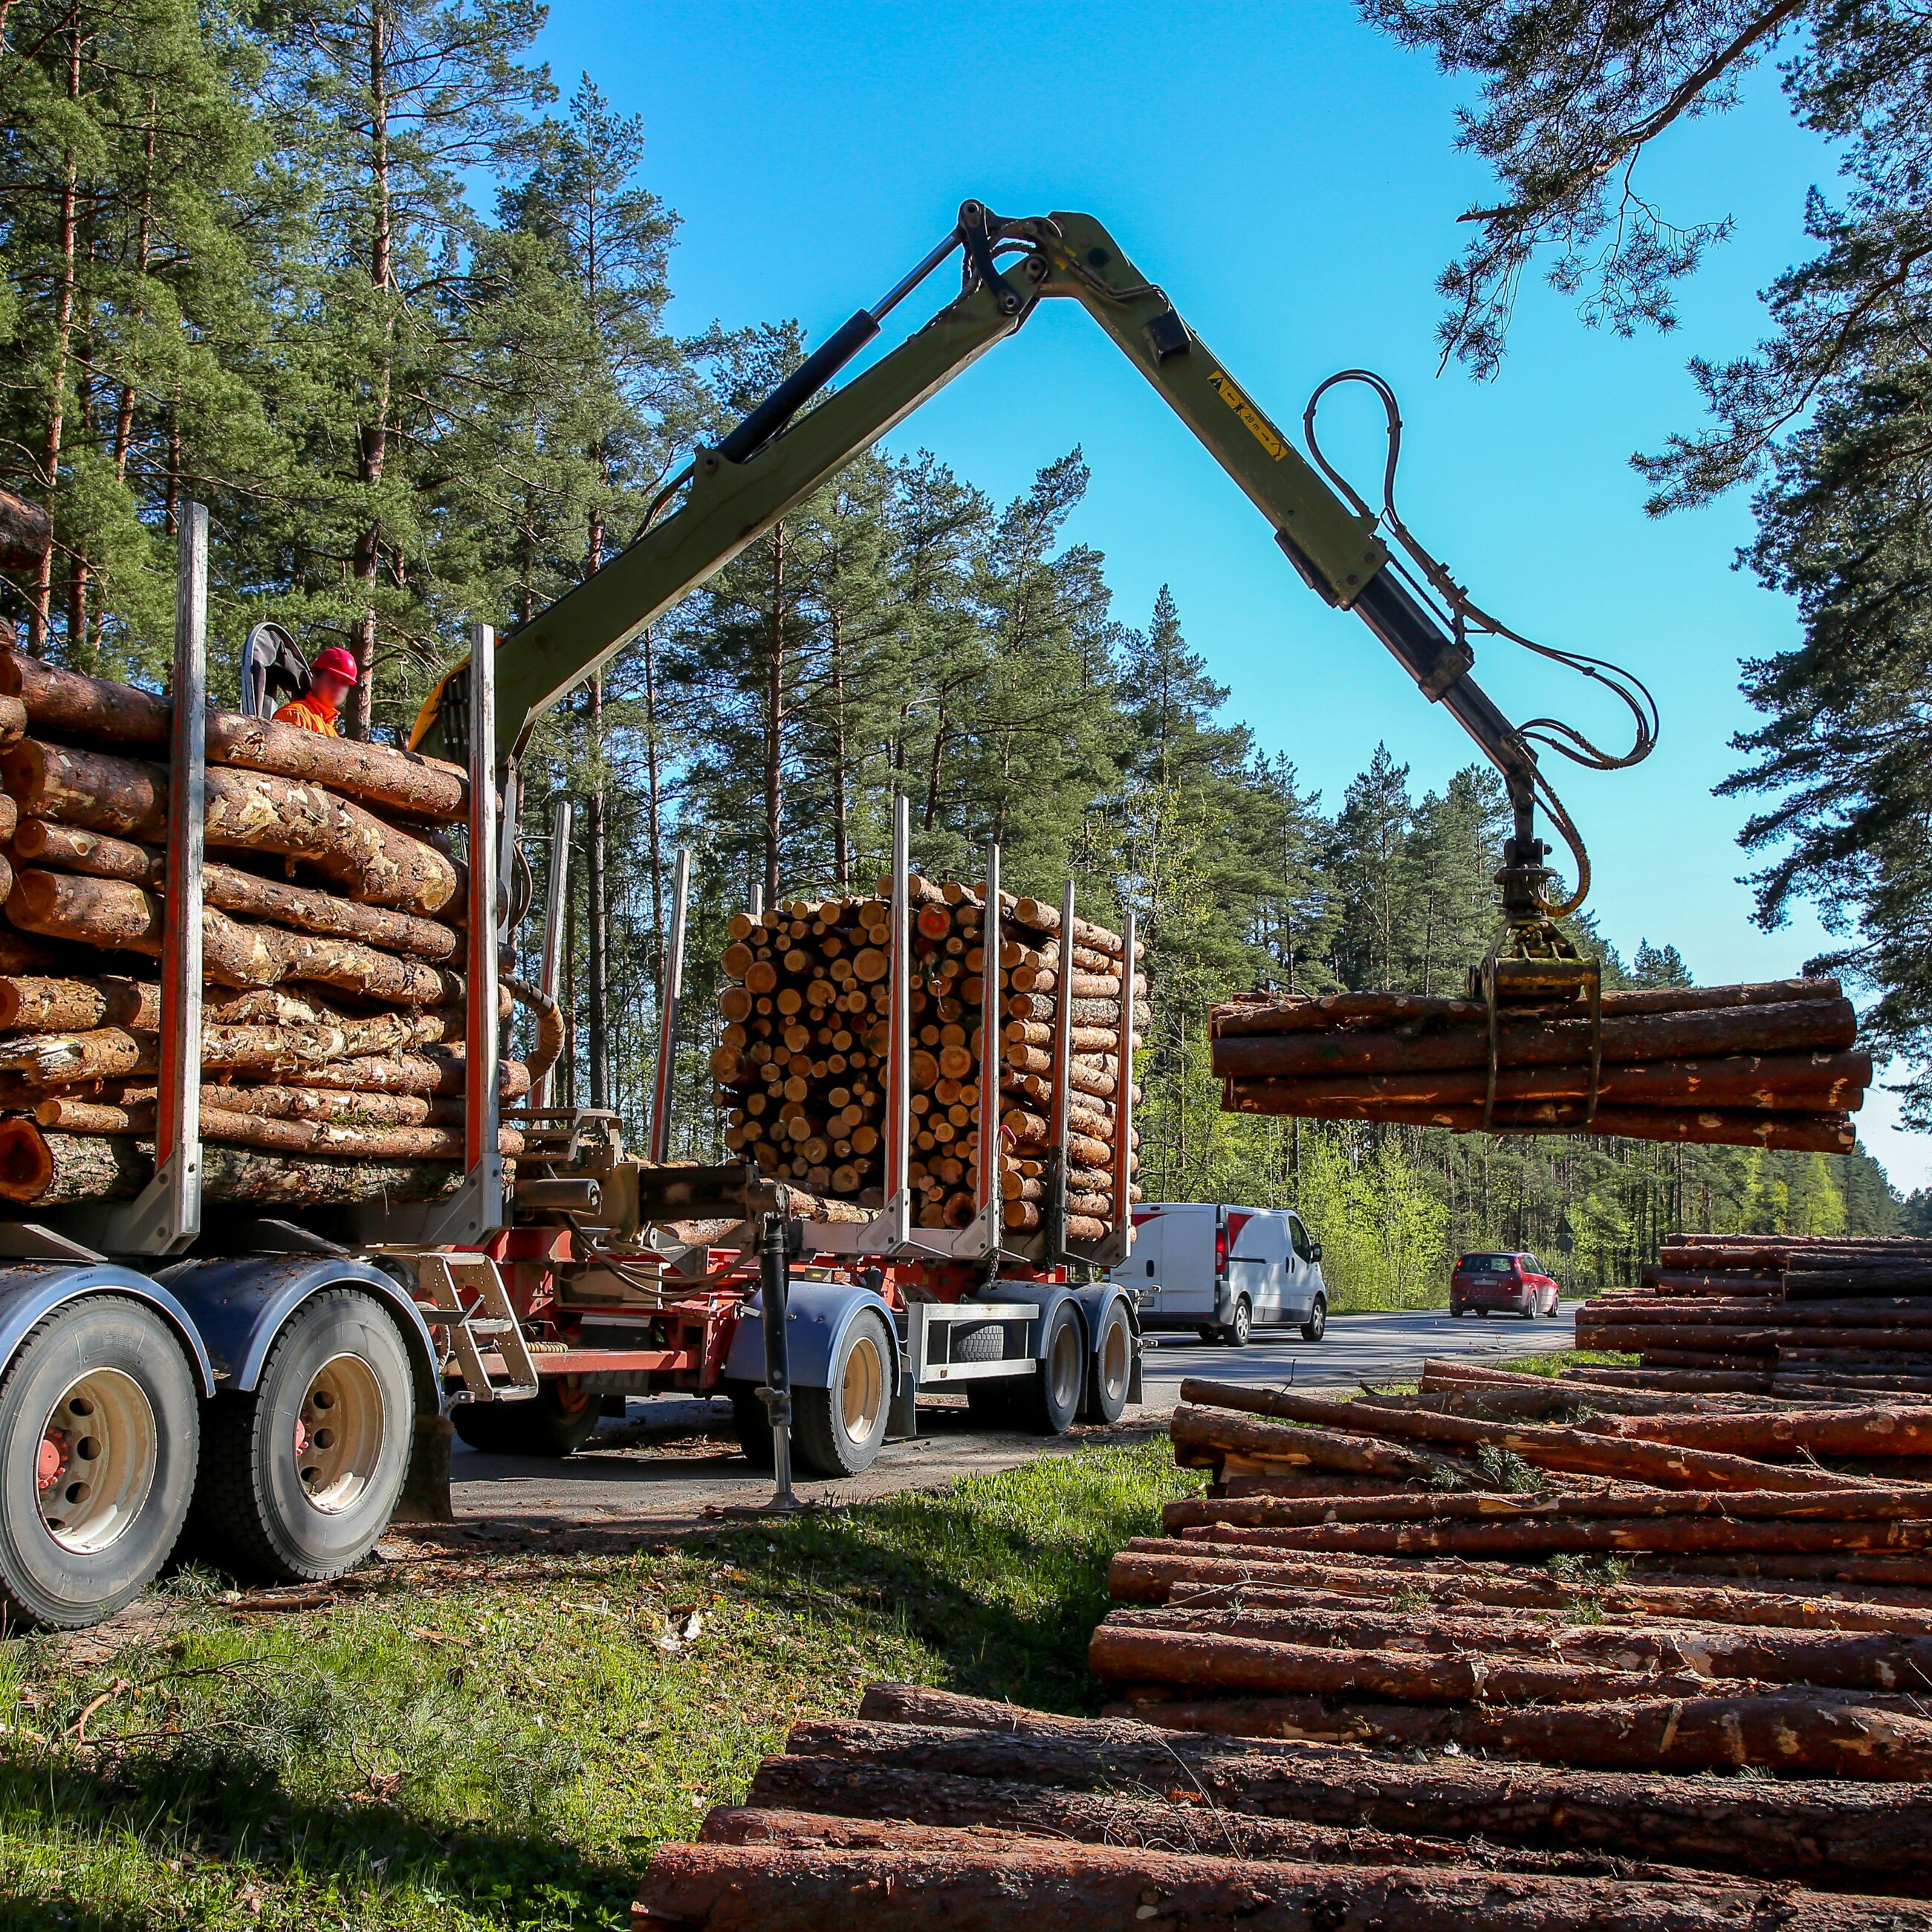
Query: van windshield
x,y
1489,1263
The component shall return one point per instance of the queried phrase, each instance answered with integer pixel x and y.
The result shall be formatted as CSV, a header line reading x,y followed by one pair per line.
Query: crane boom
x,y
782,452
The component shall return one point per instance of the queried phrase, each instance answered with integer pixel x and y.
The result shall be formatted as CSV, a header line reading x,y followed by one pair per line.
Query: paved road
x,y
1356,1348
671,1465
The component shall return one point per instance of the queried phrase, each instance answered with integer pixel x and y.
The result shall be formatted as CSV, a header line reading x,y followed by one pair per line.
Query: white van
x,y
1225,1271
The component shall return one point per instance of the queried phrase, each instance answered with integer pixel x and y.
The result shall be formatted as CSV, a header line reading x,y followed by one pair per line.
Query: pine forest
x,y
361,276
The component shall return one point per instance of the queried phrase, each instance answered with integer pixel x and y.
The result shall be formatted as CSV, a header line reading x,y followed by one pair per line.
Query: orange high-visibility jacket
x,y
308,716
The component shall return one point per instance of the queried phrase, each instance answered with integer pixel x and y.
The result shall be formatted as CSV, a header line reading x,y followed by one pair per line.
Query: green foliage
x,y
1830,412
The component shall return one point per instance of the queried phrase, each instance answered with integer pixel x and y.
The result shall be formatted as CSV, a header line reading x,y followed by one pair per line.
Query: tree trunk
x,y
597,905
775,719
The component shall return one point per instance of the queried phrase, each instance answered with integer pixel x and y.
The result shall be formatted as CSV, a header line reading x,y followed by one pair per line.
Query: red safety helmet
x,y
334,662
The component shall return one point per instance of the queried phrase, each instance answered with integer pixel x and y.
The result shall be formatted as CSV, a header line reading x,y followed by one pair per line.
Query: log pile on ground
x,y
333,1042
802,1064
1793,1311
1511,1649
1773,1065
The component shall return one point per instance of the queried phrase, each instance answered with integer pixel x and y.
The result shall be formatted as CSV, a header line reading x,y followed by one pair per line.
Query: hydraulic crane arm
x,y
782,452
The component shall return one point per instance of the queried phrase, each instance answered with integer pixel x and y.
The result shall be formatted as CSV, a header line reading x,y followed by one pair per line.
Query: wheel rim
x,y
1064,1366
95,1460
863,1399
1244,1319
339,1433
1116,1361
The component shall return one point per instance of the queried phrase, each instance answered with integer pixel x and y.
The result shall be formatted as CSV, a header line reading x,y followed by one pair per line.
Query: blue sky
x,y
1288,175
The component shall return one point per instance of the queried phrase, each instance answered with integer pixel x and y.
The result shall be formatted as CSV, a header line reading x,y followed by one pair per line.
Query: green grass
x,y
1558,1359
498,1741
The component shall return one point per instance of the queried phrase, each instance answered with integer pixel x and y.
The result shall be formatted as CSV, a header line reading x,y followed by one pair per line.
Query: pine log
x,y
1203,1439
1879,1662
67,848
1688,1281
26,534
64,703
331,1137
370,861
115,1053
1866,1278
47,1170
1857,1836
1789,1082
1575,1450
437,1070
118,916
822,1789
1152,1569
1651,1337
1807,1733
940,1882
1826,1026
37,1004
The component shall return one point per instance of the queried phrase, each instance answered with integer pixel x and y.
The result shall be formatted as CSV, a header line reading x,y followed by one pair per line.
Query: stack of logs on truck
x,y
801,1065
1775,1313
333,1033
1583,1651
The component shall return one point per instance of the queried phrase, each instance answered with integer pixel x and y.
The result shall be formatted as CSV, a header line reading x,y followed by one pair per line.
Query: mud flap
x,y
425,1496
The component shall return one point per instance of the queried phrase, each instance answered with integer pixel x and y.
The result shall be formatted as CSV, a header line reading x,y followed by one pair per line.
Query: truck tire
x,y
300,1474
839,1431
1240,1325
753,1422
99,1430
554,1423
1049,1402
1316,1326
1110,1368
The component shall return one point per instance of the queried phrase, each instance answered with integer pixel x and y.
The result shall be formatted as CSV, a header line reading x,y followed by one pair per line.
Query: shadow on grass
x,y
1002,1576
224,1820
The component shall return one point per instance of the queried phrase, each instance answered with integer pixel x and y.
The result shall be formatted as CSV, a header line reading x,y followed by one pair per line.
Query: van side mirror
x,y
1315,1251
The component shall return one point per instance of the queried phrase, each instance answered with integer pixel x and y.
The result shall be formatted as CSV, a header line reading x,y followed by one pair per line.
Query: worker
x,y
330,677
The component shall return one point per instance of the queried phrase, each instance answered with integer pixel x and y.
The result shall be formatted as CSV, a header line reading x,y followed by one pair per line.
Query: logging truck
x,y
207,1353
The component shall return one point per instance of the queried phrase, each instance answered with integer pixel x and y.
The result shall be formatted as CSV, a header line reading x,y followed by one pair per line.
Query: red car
x,y
1507,1284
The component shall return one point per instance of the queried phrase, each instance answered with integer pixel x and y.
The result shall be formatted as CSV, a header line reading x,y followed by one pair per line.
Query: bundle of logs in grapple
x,y
803,1057
1740,1312
334,1018
1771,1064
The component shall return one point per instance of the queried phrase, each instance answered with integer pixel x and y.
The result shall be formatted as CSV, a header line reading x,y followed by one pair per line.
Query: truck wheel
x,y
1241,1325
1052,1398
299,1475
99,1428
839,1430
1110,1369
555,1422
753,1422
1316,1326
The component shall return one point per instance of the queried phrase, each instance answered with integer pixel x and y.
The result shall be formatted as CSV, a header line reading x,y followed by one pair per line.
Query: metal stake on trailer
x,y
1054,1219
165,1216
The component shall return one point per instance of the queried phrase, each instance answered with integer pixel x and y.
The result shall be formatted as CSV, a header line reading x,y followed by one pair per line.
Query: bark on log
x,y
26,533
65,848
65,703
1794,1733
1790,1082
1812,1026
39,1004
115,1053
1152,1569
370,861
439,1071
1135,1655
349,1140
1203,1440
824,1789
1571,1450
47,1170
111,914
991,1885
1859,1836
1877,1663
1858,1432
